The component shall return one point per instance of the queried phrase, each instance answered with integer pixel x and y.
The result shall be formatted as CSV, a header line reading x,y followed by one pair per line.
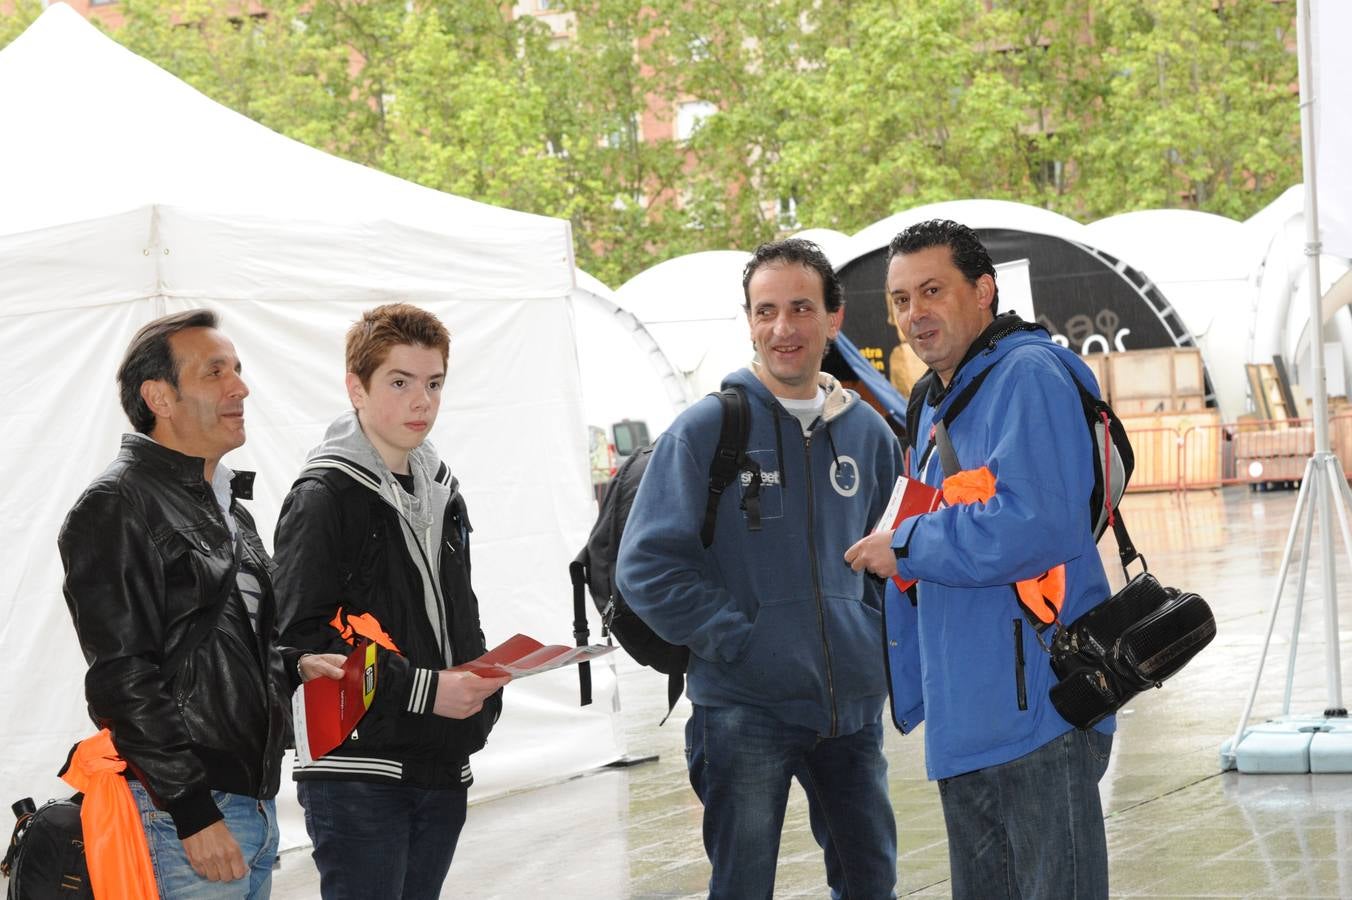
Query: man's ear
x,y
837,319
985,291
356,394
158,396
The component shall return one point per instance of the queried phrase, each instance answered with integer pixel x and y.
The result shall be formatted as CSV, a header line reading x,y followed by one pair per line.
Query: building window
x,y
788,213
690,115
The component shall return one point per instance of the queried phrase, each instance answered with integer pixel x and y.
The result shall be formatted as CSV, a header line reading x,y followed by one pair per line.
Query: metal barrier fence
x,y
1196,456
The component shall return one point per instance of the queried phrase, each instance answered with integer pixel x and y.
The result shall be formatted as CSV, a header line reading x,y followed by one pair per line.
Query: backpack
x,y
1114,460
46,857
594,567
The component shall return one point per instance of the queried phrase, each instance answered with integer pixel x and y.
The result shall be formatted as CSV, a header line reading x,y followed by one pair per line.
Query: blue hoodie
x,y
774,618
967,648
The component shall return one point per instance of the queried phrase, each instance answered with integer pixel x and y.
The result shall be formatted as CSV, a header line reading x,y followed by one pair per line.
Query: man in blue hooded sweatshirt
x,y
785,675
1019,785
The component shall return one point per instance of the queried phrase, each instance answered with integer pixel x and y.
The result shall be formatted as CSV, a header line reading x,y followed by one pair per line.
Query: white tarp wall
x,y
188,205
1331,67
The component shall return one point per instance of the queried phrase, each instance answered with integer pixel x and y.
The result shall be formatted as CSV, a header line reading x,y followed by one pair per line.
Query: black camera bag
x,y
46,857
1134,640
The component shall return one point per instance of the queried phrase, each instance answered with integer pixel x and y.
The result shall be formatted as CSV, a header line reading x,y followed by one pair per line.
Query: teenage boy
x,y
374,539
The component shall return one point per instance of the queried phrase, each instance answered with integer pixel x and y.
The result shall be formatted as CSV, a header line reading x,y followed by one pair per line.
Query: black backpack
x,y
46,860
594,567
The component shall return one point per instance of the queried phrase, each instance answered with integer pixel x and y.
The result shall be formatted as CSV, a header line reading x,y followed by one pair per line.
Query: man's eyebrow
x,y
405,374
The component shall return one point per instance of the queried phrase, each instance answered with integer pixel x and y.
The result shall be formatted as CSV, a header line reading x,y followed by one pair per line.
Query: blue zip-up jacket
x,y
981,672
774,618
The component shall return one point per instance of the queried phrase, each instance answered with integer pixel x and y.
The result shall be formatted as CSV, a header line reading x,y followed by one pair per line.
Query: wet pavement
x,y
1177,826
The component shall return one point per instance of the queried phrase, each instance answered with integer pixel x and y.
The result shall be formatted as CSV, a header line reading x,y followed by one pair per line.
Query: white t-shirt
x,y
806,411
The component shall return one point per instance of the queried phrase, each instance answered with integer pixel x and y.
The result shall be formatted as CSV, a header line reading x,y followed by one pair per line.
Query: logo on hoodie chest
x,y
845,476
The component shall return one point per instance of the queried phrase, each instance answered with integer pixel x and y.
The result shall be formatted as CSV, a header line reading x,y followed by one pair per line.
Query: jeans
x,y
378,840
1031,828
252,822
741,763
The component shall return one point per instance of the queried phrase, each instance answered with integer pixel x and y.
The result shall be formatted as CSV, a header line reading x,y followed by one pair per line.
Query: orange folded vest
x,y
366,625
1042,596
114,841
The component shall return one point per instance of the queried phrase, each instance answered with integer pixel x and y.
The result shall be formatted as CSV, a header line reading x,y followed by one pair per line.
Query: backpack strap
x,y
577,571
957,406
729,461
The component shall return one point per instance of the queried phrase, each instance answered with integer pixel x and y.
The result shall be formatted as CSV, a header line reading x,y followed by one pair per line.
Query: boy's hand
x,y
462,694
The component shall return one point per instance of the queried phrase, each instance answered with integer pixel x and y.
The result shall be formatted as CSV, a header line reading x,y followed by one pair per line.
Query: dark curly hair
x,y
804,253
969,254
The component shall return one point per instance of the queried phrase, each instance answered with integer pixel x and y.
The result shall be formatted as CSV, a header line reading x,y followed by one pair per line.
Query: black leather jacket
x,y
192,709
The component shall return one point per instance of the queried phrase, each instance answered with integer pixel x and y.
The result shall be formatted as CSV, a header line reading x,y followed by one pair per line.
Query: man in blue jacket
x,y
1019,785
785,675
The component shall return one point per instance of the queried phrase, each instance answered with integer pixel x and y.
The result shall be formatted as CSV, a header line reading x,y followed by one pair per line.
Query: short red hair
x,y
371,338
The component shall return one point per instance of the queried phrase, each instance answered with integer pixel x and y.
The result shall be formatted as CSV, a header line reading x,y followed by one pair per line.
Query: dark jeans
x,y
381,840
742,761
1032,828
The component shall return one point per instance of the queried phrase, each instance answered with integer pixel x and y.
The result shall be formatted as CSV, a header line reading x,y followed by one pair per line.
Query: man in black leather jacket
x,y
169,588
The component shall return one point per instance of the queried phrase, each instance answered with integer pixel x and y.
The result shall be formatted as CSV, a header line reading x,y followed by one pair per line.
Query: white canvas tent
x,y
1207,266
693,306
625,373
1281,317
125,194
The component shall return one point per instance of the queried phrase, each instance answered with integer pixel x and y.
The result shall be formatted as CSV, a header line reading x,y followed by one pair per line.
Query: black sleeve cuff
x,y
192,812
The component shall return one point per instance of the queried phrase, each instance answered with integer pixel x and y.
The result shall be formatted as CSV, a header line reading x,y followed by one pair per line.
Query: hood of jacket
x,y
347,448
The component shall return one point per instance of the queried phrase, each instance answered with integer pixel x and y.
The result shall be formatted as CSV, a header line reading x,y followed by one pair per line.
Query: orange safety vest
x,y
1042,596
114,841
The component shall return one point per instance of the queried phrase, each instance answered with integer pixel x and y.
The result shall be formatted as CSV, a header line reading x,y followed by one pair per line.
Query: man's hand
x,y
214,853
462,694
321,665
875,554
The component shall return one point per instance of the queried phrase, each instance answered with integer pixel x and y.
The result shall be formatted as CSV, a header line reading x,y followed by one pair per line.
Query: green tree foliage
x,y
852,110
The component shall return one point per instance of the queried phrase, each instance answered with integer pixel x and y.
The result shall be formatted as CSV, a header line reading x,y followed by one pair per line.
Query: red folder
x,y
331,708
909,498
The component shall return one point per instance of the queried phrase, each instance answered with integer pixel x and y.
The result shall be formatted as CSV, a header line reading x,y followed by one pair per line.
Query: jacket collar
x,y
1003,326
187,470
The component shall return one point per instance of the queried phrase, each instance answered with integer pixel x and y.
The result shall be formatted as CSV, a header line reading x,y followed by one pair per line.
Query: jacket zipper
x,y
816,581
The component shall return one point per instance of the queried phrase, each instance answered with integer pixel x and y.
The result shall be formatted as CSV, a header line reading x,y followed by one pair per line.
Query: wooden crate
x,y
1174,449
1149,406
1340,437
1165,372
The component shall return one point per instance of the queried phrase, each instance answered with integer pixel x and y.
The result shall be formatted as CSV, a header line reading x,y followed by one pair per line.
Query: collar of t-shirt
x,y
805,411
220,487
405,482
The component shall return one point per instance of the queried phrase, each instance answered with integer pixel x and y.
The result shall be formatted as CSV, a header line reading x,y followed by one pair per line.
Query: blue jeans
x,y
742,761
376,840
253,823
1031,828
